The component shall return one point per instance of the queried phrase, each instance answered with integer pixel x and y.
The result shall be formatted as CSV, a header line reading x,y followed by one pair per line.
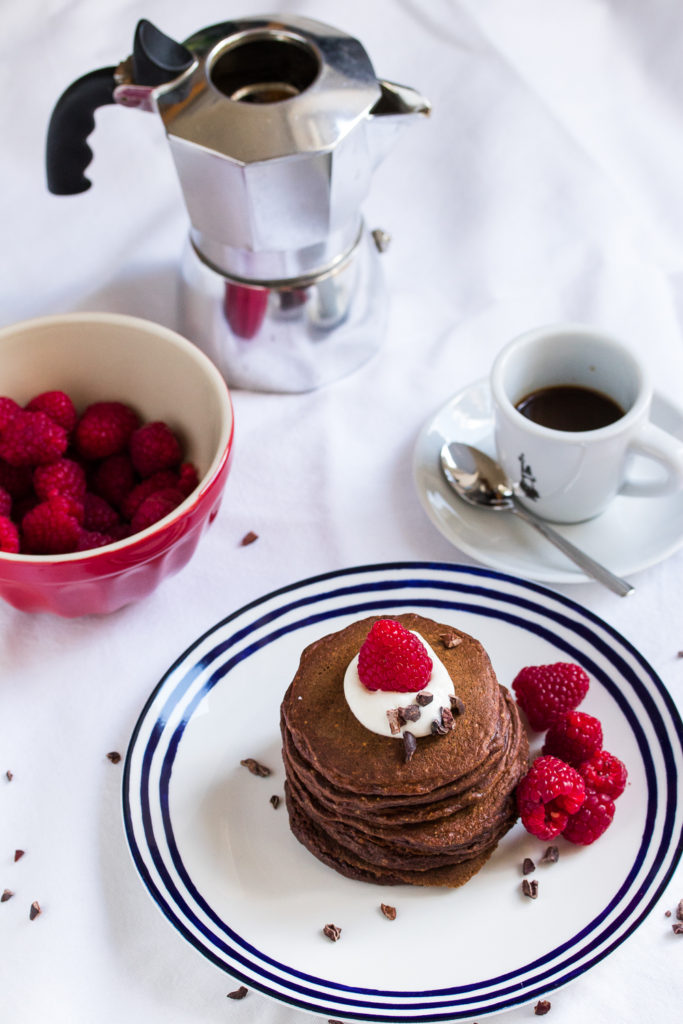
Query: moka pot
x,y
275,129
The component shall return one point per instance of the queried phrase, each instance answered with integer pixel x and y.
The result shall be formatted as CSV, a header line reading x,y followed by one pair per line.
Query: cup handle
x,y
655,443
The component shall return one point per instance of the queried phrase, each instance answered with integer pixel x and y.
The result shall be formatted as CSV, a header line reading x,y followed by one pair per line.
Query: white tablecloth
x,y
547,185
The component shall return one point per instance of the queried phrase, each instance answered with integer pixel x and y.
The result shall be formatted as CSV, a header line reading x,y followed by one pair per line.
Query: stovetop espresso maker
x,y
275,129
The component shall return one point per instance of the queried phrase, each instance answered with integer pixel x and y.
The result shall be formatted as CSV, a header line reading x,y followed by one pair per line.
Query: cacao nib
x,y
332,932
239,993
424,698
450,640
530,888
249,538
528,866
551,855
6,895
388,911
34,911
255,767
411,713
394,721
457,706
409,745
542,1007
114,756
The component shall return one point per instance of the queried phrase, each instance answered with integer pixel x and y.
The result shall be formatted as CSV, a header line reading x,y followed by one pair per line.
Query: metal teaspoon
x,y
480,481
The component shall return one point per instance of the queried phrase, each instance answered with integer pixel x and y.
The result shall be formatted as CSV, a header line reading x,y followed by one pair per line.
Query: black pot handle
x,y
73,118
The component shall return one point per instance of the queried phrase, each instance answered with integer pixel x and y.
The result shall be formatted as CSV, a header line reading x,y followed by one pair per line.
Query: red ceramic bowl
x,y
100,357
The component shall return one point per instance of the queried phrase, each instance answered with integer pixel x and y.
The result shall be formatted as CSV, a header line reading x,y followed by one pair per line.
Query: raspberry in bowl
x,y
157,447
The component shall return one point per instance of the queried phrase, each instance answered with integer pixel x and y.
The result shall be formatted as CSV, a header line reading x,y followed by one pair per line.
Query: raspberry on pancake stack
x,y
402,752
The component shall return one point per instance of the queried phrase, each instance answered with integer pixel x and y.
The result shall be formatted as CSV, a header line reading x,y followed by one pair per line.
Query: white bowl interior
x,y
110,357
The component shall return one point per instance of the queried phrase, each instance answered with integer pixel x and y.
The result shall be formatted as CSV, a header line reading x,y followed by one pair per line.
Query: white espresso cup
x,y
571,473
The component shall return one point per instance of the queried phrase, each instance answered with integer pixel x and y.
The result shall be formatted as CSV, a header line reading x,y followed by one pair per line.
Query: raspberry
x,y
573,737
52,527
5,502
187,478
113,479
154,447
590,821
544,692
32,439
394,659
58,406
88,539
64,476
98,515
604,773
156,482
546,796
9,536
8,410
104,429
155,507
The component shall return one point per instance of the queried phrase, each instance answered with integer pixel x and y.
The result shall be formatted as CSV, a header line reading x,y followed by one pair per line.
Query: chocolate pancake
x,y
359,806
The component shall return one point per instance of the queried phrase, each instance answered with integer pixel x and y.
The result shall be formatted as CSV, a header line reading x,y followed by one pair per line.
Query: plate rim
x,y
477,574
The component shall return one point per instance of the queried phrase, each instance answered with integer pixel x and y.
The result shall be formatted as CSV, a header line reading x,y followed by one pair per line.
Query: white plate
x,y
222,865
631,535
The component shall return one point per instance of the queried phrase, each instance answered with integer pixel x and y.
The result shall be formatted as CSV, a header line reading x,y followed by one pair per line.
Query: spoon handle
x,y
584,561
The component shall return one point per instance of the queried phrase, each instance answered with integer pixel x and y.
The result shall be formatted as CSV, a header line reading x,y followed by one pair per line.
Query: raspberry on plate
x,y
544,692
58,406
604,773
574,737
591,820
546,796
104,429
32,439
154,447
393,659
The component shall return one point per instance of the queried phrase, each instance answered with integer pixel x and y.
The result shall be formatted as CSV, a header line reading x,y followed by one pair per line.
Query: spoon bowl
x,y
480,481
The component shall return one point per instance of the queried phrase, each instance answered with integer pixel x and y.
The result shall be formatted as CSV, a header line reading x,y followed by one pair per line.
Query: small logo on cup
x,y
527,480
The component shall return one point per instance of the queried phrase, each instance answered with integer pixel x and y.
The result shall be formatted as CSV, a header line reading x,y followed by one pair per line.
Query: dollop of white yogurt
x,y
370,706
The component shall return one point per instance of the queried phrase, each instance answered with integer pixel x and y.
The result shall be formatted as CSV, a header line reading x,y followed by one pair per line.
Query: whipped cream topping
x,y
370,706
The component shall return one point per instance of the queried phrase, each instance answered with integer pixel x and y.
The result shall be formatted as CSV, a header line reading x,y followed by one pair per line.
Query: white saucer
x,y
631,535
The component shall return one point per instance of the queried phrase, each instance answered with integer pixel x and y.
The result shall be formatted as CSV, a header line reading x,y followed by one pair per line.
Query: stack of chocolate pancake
x,y
362,807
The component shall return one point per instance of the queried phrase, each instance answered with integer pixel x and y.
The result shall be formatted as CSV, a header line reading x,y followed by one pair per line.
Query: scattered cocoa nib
x,y
388,911
6,895
239,993
542,1007
409,745
438,728
18,854
332,932
411,713
114,756
667,913
677,928
34,911
249,538
450,640
551,855
275,800
9,775
679,910
424,698
530,888
528,866
394,721
457,706
255,767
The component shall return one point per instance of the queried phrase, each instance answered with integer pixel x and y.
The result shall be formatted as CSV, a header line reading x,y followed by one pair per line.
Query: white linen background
x,y
547,185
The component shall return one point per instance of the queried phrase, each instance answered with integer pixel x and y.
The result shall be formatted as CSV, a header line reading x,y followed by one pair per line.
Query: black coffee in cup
x,y
569,407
